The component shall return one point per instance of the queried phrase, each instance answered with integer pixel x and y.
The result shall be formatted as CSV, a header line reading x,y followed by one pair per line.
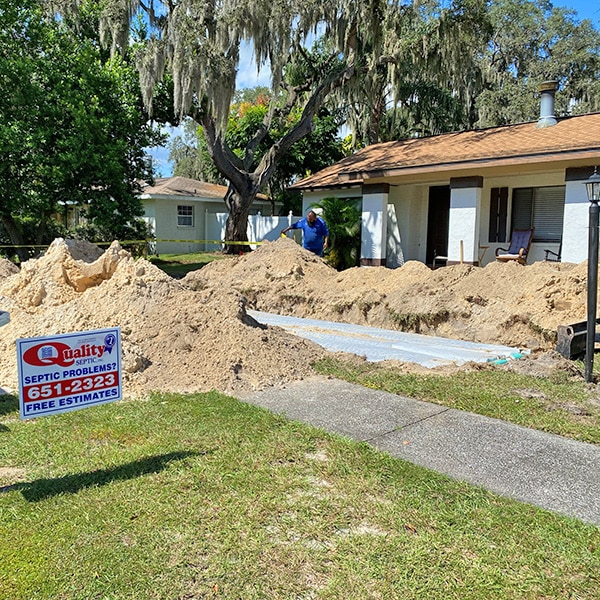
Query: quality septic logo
x,y
57,353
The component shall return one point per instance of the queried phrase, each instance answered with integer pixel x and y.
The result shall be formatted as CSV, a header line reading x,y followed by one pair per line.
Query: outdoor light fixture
x,y
592,185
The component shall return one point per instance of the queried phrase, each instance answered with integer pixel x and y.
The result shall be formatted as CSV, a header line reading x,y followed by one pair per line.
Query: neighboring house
x,y
459,195
189,214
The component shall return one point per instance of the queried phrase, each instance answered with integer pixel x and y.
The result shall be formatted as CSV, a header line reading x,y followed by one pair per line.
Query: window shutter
x,y
498,214
548,213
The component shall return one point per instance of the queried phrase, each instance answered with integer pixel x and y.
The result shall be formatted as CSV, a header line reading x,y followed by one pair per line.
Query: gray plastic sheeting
x,y
377,344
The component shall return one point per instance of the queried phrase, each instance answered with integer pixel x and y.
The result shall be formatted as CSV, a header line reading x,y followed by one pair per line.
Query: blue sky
x,y
586,9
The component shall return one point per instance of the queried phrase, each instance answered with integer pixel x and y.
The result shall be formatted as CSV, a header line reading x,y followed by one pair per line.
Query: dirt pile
x,y
503,303
7,268
194,334
174,338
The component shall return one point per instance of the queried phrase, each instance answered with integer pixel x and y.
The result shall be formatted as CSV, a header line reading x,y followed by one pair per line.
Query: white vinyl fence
x,y
260,228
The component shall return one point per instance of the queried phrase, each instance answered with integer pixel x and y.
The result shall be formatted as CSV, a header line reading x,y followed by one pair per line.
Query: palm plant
x,y
343,218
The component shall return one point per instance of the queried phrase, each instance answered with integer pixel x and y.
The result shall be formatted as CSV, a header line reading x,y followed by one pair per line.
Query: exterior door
x,y
438,217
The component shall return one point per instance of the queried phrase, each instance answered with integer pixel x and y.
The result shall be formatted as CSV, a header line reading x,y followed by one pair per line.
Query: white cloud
x,y
248,75
160,154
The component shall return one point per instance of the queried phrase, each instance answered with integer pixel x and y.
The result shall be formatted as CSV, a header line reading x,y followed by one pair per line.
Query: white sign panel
x,y
68,372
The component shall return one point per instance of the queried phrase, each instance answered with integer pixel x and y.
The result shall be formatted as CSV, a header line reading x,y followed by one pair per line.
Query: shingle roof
x,y
571,138
182,186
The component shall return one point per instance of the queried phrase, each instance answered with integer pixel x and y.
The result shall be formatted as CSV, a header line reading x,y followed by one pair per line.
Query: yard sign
x,y
68,372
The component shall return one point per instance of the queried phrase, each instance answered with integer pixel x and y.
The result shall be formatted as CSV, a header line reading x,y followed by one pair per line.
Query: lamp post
x,y
592,185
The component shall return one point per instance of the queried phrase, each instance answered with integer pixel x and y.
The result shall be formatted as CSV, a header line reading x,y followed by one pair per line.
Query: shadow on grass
x,y
8,404
41,489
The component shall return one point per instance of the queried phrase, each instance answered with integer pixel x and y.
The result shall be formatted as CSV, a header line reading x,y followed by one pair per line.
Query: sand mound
x,y
503,303
7,268
194,334
174,338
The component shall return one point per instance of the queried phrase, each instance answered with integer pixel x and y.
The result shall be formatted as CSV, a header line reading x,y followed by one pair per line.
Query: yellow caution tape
x,y
149,241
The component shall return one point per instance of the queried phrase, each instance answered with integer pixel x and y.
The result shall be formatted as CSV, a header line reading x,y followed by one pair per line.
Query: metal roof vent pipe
x,y
547,90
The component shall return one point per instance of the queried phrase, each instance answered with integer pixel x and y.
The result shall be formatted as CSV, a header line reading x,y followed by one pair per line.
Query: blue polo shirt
x,y
313,235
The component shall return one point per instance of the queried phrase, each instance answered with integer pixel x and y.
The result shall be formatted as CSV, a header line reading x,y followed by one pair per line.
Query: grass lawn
x,y
182,497
177,265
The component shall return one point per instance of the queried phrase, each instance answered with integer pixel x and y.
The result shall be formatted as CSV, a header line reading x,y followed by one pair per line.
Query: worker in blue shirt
x,y
315,235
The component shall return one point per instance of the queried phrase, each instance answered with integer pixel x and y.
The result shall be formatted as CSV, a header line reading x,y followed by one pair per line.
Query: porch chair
x,y
520,242
552,256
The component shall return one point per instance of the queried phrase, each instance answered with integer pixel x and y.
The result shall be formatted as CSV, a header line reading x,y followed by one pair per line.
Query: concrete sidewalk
x,y
546,470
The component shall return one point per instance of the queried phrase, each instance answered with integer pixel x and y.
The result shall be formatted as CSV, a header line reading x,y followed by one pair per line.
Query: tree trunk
x,y
16,237
244,185
236,228
42,227
377,113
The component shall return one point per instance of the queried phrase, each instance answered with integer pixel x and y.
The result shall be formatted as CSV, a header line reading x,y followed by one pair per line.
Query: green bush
x,y
343,218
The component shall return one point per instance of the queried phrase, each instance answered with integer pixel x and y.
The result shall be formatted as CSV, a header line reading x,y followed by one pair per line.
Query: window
x,y
542,208
185,216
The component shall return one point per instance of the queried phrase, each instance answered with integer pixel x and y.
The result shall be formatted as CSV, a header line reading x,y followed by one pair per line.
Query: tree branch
x,y
227,163
303,127
293,93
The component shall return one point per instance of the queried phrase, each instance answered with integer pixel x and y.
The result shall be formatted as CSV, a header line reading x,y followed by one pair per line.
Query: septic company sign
x,y
68,372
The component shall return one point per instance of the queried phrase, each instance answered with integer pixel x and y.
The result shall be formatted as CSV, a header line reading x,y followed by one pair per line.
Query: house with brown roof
x,y
185,215
460,195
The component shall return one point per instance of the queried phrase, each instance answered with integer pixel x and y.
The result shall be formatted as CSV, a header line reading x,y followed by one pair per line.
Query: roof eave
x,y
151,196
559,159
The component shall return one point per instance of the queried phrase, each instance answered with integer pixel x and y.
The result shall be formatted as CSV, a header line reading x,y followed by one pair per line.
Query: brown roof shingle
x,y
182,186
571,138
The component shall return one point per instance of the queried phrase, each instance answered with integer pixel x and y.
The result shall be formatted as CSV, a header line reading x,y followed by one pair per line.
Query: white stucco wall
x,y
394,252
463,229
411,215
576,224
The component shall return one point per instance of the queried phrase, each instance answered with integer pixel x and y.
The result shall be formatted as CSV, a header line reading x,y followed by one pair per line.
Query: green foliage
x,y
393,69
426,109
72,128
317,150
453,66
418,69
343,218
533,42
